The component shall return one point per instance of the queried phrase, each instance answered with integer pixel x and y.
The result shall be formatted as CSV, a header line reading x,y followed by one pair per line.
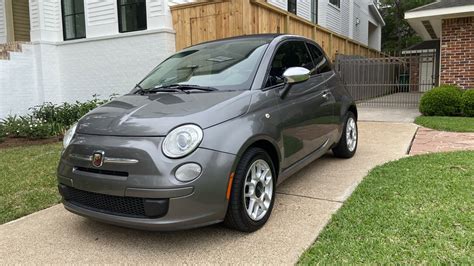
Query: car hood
x,y
157,114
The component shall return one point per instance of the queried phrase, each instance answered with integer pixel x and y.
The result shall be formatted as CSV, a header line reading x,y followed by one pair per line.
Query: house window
x,y
314,11
131,15
335,2
292,6
74,26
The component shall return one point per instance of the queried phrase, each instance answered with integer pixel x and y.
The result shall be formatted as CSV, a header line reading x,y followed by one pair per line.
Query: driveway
x,y
304,205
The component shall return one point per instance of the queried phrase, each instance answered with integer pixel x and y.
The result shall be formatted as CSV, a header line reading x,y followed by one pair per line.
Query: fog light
x,y
188,172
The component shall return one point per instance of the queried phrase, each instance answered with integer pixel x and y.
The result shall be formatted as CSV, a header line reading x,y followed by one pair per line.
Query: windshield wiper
x,y
182,87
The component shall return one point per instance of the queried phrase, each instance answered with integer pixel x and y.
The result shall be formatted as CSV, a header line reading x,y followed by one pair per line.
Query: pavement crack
x,y
309,197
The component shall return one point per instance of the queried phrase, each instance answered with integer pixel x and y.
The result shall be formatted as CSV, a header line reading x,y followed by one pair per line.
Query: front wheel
x,y
347,146
253,192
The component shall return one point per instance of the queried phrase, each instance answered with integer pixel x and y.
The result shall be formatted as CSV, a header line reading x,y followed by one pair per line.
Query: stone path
x,y
429,140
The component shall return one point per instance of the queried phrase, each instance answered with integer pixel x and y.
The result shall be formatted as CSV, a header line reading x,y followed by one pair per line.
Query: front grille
x,y
100,171
124,206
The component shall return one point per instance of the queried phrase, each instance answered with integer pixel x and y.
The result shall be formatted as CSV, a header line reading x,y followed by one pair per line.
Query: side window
x,y
322,64
289,54
74,26
131,15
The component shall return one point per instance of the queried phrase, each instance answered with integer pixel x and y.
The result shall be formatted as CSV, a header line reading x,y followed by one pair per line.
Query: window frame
x,y
295,4
74,14
322,53
119,15
270,63
337,3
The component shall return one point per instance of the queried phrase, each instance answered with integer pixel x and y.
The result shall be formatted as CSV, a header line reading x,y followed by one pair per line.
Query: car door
x,y
329,81
303,111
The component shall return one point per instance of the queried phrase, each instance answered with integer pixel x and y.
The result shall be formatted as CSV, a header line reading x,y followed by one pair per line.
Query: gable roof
x,y
443,4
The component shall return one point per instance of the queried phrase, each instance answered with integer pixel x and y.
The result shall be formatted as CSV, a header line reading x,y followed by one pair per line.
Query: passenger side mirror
x,y
294,75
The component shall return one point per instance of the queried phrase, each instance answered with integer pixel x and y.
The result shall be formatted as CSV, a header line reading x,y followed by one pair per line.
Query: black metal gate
x,y
391,82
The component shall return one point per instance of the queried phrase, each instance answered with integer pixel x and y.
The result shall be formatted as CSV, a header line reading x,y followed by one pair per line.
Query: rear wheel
x,y
347,146
253,192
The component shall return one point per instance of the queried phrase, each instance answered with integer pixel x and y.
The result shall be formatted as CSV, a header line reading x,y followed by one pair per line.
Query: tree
x,y
397,34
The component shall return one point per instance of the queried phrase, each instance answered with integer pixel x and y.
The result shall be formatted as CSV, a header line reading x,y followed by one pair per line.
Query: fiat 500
x,y
208,135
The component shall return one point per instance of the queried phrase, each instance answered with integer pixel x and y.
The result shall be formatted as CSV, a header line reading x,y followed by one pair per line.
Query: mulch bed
x,y
18,142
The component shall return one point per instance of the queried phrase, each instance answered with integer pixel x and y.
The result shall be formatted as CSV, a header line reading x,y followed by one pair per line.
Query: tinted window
x,y
321,62
227,65
289,54
131,15
74,26
335,2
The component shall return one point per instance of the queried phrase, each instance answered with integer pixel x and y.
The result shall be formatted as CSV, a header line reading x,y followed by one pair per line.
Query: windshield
x,y
227,65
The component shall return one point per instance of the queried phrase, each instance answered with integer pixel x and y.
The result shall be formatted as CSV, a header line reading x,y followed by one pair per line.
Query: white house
x,y
357,19
73,49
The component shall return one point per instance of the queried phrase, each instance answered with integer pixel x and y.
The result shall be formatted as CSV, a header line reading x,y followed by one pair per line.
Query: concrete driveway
x,y
304,205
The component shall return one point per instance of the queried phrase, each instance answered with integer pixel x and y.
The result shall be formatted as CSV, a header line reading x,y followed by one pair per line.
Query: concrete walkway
x,y
304,205
429,140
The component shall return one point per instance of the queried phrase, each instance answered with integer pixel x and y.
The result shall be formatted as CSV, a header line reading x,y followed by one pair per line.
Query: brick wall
x,y
457,52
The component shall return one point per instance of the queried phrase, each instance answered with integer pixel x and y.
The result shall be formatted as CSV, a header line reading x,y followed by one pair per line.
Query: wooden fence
x,y
199,22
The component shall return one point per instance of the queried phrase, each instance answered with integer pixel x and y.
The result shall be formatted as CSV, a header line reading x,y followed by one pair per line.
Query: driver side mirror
x,y
294,75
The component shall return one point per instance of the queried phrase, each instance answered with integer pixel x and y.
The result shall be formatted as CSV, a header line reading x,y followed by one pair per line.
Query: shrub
x,y
467,103
26,127
2,132
442,101
63,116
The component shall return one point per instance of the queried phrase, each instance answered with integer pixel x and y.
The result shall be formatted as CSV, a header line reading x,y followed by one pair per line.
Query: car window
x,y
289,54
322,63
226,65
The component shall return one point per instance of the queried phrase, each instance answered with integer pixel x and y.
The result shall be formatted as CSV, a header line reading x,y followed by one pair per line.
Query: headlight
x,y
182,140
69,135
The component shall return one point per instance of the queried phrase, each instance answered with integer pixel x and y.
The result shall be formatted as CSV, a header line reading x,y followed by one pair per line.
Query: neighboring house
x,y
68,50
447,26
357,19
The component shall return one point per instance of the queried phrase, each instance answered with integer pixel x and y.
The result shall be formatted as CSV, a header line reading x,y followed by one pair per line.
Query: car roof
x,y
268,37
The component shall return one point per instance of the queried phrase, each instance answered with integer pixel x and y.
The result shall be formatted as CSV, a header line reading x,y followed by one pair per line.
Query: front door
x,y
304,112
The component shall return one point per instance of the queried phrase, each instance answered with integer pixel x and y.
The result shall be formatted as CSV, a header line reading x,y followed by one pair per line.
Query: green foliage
x,y
397,34
441,101
26,127
2,132
28,178
467,103
447,123
48,119
417,210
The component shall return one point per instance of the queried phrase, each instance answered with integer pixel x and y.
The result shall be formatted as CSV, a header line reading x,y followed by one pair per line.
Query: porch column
x,y
45,20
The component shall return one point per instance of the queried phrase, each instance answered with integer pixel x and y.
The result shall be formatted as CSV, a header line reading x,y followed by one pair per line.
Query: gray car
x,y
208,135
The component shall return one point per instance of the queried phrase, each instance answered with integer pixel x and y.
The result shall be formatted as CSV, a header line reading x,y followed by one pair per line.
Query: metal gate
x,y
391,82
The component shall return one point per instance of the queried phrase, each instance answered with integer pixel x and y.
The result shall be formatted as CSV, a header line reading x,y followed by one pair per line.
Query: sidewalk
x,y
429,140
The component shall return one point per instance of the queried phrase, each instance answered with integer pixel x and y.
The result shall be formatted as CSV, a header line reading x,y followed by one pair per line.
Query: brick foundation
x,y
457,52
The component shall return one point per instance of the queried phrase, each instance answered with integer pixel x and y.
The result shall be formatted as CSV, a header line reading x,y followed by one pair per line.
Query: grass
x,y
447,123
27,180
418,210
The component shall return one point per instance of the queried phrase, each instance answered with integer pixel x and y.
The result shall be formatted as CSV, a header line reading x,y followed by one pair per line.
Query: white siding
x,y
283,4
333,18
345,18
303,9
3,25
100,12
357,28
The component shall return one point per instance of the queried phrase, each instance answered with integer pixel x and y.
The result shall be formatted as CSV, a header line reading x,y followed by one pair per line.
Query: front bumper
x,y
171,204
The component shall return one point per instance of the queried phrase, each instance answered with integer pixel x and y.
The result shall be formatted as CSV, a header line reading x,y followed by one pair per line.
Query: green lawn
x,y
27,180
447,123
418,210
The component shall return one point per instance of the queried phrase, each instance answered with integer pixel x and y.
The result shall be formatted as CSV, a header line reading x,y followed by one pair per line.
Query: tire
x,y
345,148
238,216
